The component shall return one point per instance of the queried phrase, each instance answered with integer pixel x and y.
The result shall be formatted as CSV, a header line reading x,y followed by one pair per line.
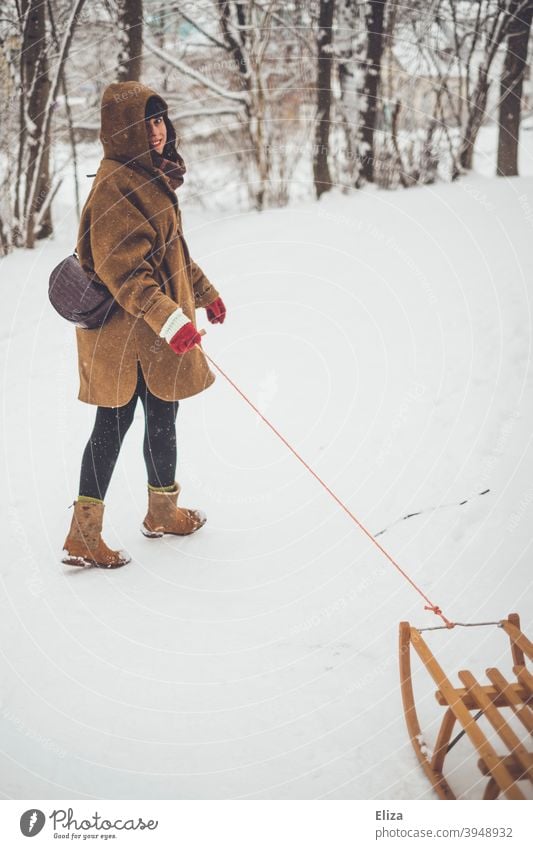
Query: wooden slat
x,y
514,768
518,639
494,694
492,791
504,731
525,678
522,712
486,751
518,654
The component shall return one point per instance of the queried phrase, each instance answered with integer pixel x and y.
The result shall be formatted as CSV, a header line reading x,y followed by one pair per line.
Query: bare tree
x,y
511,90
39,145
249,39
321,170
495,25
453,48
423,129
130,37
369,101
349,44
35,91
35,47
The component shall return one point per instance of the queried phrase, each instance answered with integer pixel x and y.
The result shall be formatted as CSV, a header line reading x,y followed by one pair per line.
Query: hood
x,y
123,131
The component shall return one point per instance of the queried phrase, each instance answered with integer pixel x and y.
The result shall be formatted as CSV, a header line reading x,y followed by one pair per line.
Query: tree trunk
x,y
501,20
475,120
511,91
34,199
36,85
346,52
130,25
321,170
256,130
375,29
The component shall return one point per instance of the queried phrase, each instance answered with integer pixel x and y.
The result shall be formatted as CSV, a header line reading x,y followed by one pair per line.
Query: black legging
x,y
159,447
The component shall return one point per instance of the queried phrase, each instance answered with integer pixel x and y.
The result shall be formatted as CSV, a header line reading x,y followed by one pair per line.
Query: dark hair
x,y
155,108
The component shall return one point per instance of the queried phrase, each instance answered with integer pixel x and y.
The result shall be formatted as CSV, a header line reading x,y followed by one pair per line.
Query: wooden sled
x,y
464,705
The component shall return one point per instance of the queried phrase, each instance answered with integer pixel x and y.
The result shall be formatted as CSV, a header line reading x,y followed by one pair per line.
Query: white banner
x,y
265,824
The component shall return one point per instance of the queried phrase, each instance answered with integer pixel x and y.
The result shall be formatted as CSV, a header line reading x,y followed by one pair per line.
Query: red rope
x,y
429,606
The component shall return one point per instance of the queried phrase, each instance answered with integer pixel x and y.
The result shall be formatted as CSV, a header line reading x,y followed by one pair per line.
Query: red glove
x,y
216,311
185,339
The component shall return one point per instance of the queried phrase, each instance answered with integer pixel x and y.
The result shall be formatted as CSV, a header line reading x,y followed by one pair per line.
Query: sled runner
x,y
466,705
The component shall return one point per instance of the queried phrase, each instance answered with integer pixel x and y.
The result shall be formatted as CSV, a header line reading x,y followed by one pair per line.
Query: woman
x,y
131,237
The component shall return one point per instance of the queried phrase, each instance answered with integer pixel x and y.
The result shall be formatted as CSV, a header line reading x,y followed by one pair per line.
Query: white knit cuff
x,y
174,322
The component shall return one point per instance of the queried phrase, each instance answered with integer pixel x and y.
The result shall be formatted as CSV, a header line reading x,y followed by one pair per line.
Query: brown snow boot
x,y
84,545
165,517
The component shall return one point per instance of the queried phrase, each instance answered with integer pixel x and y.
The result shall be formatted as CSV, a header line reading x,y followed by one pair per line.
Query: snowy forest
x,y
279,100
359,191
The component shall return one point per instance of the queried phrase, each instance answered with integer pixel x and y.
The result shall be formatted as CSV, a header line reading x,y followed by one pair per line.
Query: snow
x,y
423,747
387,335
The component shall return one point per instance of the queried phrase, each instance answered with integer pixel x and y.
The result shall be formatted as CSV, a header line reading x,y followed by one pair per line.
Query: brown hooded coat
x,y
131,236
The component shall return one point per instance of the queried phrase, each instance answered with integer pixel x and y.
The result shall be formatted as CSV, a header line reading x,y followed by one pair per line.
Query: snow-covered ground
x,y
388,337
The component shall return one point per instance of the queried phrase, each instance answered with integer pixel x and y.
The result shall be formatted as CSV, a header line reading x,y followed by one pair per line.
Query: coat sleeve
x,y
204,291
122,239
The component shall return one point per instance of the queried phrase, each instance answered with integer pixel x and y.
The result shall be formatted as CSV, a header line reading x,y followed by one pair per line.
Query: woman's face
x,y
156,131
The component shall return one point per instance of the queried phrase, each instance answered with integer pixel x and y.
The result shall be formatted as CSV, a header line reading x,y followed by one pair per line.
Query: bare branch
x,y
177,8
227,94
